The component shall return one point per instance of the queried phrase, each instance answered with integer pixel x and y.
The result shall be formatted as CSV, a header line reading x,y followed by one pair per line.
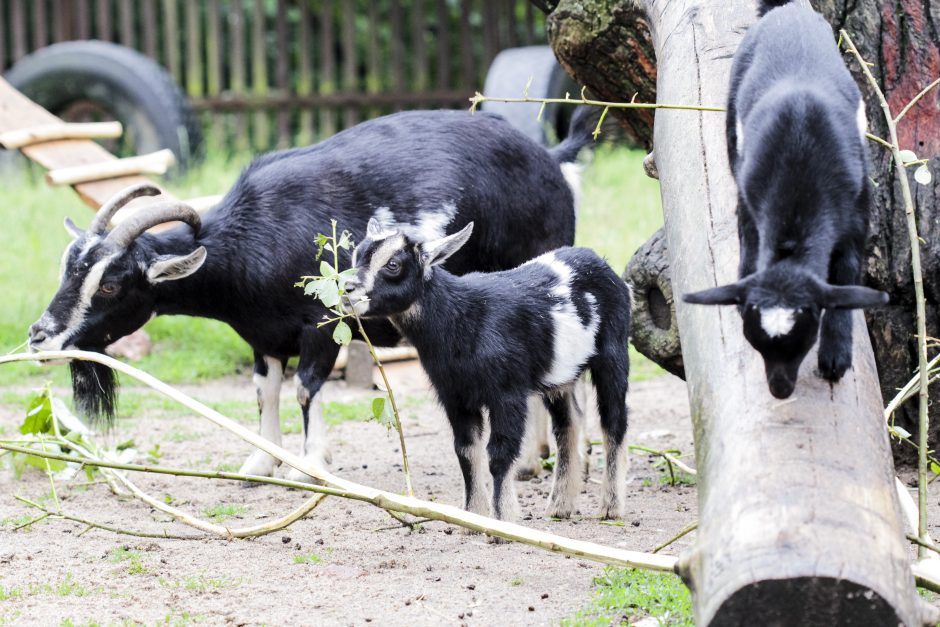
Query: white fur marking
x,y
269,401
862,118
89,288
479,470
569,476
572,173
777,321
739,132
573,342
315,449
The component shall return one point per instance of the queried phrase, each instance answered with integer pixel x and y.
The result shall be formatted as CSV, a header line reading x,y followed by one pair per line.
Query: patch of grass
x,y
335,412
516,581
183,619
307,558
225,510
134,559
625,595
67,587
8,594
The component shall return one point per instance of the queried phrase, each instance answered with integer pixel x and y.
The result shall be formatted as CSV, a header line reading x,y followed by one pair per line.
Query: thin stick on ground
x,y
682,533
918,284
386,500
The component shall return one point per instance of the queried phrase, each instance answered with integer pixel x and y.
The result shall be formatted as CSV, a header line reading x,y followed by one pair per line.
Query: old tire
x,y
86,80
507,77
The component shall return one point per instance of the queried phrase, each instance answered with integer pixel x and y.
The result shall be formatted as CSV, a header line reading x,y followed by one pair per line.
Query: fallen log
x,y
799,520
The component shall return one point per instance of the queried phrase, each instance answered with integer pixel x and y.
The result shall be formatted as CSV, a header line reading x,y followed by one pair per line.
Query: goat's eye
x,y
108,289
393,266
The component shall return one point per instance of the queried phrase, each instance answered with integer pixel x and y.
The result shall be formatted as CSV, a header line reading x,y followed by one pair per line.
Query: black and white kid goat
x,y
796,141
489,340
426,172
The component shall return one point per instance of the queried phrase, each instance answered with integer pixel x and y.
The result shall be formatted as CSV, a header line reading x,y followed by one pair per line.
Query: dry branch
x,y
52,132
154,163
385,500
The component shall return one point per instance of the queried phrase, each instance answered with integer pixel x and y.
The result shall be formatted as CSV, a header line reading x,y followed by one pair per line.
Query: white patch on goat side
x,y
432,225
269,401
89,288
777,321
739,133
573,342
572,173
862,119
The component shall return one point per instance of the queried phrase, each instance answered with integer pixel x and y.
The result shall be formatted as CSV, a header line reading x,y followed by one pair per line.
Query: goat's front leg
x,y
269,372
749,240
471,455
507,427
835,334
316,360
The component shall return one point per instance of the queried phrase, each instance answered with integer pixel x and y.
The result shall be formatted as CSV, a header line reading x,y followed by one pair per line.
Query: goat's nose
x,y
37,334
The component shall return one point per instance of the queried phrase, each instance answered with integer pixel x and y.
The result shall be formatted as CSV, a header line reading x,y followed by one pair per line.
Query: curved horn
x,y
107,211
127,231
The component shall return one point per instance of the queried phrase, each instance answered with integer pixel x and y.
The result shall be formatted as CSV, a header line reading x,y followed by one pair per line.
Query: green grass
x,y
201,583
67,587
134,559
625,596
619,210
307,558
225,510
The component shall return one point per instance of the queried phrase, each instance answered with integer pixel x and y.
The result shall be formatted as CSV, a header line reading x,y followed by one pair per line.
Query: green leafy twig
x,y
901,161
330,288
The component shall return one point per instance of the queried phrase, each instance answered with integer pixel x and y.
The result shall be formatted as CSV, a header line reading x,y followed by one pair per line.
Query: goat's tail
x,y
767,5
580,133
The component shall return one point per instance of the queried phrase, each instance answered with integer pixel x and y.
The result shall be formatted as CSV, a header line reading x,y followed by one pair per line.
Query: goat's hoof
x,y
259,464
832,368
496,540
558,510
301,477
526,473
611,512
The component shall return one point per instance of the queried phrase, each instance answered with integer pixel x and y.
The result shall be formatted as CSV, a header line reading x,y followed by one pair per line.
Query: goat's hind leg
x,y
316,360
535,444
507,427
835,333
471,455
269,373
610,382
569,462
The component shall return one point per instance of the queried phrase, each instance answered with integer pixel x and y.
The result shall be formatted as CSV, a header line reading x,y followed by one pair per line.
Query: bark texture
x,y
605,45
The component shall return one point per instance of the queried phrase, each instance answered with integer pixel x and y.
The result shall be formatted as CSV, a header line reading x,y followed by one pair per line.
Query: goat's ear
x,y
437,251
852,297
723,295
374,228
173,267
72,230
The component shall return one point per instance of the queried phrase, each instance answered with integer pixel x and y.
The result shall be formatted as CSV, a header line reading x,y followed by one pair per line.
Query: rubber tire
x,y
507,77
136,90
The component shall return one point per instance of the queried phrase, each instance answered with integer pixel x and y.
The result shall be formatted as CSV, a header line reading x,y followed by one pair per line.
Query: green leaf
x,y
55,465
345,240
907,156
329,294
378,407
314,287
39,417
344,276
342,334
388,416
326,270
935,468
901,432
922,175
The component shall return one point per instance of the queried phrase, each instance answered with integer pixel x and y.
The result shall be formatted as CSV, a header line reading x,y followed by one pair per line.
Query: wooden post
x,y
798,518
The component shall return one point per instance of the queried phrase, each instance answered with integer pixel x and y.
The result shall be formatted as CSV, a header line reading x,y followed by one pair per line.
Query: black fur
x,y
768,5
94,388
260,238
486,341
803,193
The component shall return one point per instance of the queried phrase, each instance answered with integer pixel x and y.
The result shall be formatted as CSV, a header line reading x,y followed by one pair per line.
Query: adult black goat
x,y
427,172
796,141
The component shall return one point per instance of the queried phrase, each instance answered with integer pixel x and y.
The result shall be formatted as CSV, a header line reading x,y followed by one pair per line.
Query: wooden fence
x,y
268,73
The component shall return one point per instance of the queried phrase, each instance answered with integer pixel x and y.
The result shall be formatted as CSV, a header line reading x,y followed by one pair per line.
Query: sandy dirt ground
x,y
348,563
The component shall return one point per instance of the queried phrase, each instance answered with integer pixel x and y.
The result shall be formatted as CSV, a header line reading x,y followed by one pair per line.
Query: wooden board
x,y
17,111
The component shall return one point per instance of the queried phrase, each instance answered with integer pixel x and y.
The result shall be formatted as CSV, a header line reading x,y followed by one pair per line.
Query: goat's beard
x,y
94,389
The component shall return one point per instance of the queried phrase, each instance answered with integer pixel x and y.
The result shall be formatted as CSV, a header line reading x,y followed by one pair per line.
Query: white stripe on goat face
x,y
777,321
385,250
89,288
574,342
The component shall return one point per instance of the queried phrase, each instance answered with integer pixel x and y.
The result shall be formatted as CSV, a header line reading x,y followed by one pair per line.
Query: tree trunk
x,y
789,492
902,40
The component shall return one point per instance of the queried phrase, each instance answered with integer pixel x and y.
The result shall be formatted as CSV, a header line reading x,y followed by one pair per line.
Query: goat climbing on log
x,y
427,172
796,143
